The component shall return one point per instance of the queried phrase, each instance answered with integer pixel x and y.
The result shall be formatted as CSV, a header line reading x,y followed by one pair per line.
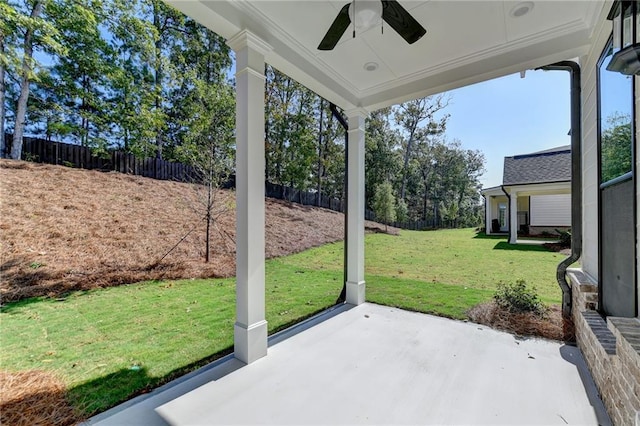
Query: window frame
x,y
631,173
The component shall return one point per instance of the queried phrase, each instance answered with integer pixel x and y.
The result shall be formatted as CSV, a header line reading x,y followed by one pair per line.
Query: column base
x,y
250,342
355,292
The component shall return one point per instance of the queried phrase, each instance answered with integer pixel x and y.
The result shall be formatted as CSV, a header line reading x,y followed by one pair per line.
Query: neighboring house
x,y
467,42
537,188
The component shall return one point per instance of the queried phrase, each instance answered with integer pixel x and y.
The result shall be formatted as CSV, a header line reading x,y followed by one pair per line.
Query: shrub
x,y
384,204
565,238
402,211
518,298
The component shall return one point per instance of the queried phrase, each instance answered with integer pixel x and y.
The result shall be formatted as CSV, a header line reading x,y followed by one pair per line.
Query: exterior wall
x,y
611,351
492,205
551,210
588,65
637,166
611,348
524,213
523,204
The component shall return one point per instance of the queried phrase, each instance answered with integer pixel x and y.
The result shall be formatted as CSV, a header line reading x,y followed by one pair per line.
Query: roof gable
x,y
552,165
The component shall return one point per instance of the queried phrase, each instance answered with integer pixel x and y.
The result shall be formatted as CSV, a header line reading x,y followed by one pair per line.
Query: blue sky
x,y
510,116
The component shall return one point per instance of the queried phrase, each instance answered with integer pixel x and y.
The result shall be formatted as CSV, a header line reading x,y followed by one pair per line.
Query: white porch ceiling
x,y
466,42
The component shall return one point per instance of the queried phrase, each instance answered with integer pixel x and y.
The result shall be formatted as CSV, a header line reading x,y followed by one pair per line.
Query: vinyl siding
x,y
550,210
588,64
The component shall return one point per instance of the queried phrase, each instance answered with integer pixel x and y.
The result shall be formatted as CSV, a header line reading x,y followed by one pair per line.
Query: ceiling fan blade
x,y
400,20
339,26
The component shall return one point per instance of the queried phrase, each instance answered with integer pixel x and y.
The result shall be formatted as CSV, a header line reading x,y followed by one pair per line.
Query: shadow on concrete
x,y
572,355
142,409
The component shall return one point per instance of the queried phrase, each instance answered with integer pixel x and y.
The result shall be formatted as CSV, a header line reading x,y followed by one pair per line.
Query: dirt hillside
x,y
66,229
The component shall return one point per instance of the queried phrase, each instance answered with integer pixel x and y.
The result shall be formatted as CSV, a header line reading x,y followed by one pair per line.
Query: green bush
x,y
518,298
565,237
402,211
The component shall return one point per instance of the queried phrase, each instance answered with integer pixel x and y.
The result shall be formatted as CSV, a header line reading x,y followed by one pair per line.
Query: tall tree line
x,y
135,75
434,180
140,76
304,143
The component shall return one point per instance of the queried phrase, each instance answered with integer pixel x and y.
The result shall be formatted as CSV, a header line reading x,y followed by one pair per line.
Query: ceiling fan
x,y
392,13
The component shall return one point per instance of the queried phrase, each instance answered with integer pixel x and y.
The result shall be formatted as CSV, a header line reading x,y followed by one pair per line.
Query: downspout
x,y
509,204
576,180
345,125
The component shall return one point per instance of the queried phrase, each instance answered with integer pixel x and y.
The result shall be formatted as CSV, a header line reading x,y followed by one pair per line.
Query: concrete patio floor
x,y
374,364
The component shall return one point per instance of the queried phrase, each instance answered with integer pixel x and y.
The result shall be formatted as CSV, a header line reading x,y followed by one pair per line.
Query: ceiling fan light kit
x,y
366,13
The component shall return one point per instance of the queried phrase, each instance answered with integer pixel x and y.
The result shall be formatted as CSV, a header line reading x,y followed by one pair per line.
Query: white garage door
x,y
550,210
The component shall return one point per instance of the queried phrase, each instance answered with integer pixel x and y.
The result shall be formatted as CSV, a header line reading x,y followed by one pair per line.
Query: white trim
x,y
247,39
250,330
513,217
355,207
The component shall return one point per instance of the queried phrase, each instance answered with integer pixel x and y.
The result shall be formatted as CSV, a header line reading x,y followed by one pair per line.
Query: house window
x,y
616,124
617,224
502,215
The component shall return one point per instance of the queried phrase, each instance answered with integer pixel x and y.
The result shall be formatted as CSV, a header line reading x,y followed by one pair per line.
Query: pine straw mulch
x,y
34,398
66,229
550,325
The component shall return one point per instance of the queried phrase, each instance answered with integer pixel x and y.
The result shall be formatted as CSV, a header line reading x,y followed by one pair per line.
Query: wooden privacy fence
x,y
311,199
43,151
306,198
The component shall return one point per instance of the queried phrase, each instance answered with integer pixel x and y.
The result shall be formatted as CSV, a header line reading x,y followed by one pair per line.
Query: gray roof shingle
x,y
552,165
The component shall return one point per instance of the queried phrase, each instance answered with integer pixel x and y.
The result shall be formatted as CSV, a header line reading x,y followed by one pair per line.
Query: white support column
x,y
355,208
250,330
513,215
487,214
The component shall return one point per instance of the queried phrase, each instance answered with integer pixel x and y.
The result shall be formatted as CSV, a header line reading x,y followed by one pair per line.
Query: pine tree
x,y
26,30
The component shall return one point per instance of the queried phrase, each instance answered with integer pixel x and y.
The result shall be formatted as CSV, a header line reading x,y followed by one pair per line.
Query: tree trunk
x,y
84,126
158,76
319,184
208,235
424,203
21,108
3,144
407,155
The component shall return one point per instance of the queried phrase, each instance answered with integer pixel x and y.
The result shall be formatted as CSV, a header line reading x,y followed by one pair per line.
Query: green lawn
x,y
451,257
112,343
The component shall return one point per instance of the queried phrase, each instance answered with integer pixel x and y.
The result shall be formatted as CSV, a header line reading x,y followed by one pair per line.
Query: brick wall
x,y
611,350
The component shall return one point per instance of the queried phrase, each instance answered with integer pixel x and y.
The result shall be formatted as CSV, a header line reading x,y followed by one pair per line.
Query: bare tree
x,y
212,171
209,151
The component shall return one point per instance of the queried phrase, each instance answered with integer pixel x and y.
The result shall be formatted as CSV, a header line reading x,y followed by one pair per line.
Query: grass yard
x,y
460,260
110,344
